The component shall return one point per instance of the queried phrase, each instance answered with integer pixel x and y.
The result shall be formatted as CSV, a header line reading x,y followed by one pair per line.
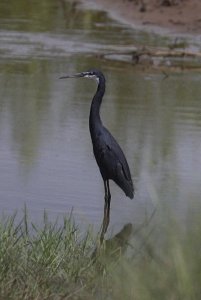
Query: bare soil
x,y
175,15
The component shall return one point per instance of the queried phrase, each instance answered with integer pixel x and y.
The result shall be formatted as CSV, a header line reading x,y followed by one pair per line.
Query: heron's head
x,y
91,74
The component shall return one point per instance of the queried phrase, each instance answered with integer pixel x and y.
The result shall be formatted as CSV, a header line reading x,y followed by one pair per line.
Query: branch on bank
x,y
157,56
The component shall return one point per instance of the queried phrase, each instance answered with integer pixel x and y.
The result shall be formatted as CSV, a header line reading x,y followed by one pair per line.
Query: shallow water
x,y
46,157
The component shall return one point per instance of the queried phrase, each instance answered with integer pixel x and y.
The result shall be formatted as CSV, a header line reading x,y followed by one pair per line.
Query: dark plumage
x,y
109,156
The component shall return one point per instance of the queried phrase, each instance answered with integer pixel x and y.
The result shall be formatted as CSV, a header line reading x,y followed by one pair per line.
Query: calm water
x,y
46,158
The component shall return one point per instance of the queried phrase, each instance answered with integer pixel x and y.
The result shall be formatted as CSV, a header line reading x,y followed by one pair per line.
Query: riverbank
x,y
182,17
53,261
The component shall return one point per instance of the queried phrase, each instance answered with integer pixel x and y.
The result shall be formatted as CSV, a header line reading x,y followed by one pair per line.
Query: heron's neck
x,y
94,118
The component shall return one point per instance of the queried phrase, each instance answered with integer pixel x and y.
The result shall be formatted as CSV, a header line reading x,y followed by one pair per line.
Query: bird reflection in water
x,y
117,245
120,242
130,237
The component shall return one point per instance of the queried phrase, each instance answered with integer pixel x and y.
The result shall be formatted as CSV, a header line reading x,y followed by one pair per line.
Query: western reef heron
x,y
108,154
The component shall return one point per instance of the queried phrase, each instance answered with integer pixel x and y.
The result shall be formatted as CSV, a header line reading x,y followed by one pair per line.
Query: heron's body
x,y
109,156
111,161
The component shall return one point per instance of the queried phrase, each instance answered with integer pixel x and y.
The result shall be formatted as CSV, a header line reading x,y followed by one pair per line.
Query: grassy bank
x,y
54,261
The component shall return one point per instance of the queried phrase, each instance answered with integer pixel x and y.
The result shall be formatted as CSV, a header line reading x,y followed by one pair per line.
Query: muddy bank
x,y
181,16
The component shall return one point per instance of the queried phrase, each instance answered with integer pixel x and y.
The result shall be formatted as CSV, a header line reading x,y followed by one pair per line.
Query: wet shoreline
x,y
181,18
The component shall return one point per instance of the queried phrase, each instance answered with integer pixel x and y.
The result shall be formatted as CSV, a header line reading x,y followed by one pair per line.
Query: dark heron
x,y
108,154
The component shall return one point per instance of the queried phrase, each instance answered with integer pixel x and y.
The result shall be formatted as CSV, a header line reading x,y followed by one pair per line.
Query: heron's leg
x,y
105,213
108,206
108,200
106,218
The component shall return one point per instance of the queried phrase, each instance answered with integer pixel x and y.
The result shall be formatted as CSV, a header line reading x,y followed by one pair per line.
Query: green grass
x,y
53,261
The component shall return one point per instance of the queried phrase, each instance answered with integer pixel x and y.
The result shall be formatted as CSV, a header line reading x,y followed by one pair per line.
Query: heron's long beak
x,y
77,75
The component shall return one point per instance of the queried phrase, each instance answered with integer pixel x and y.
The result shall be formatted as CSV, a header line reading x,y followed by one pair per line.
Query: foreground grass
x,y
55,262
